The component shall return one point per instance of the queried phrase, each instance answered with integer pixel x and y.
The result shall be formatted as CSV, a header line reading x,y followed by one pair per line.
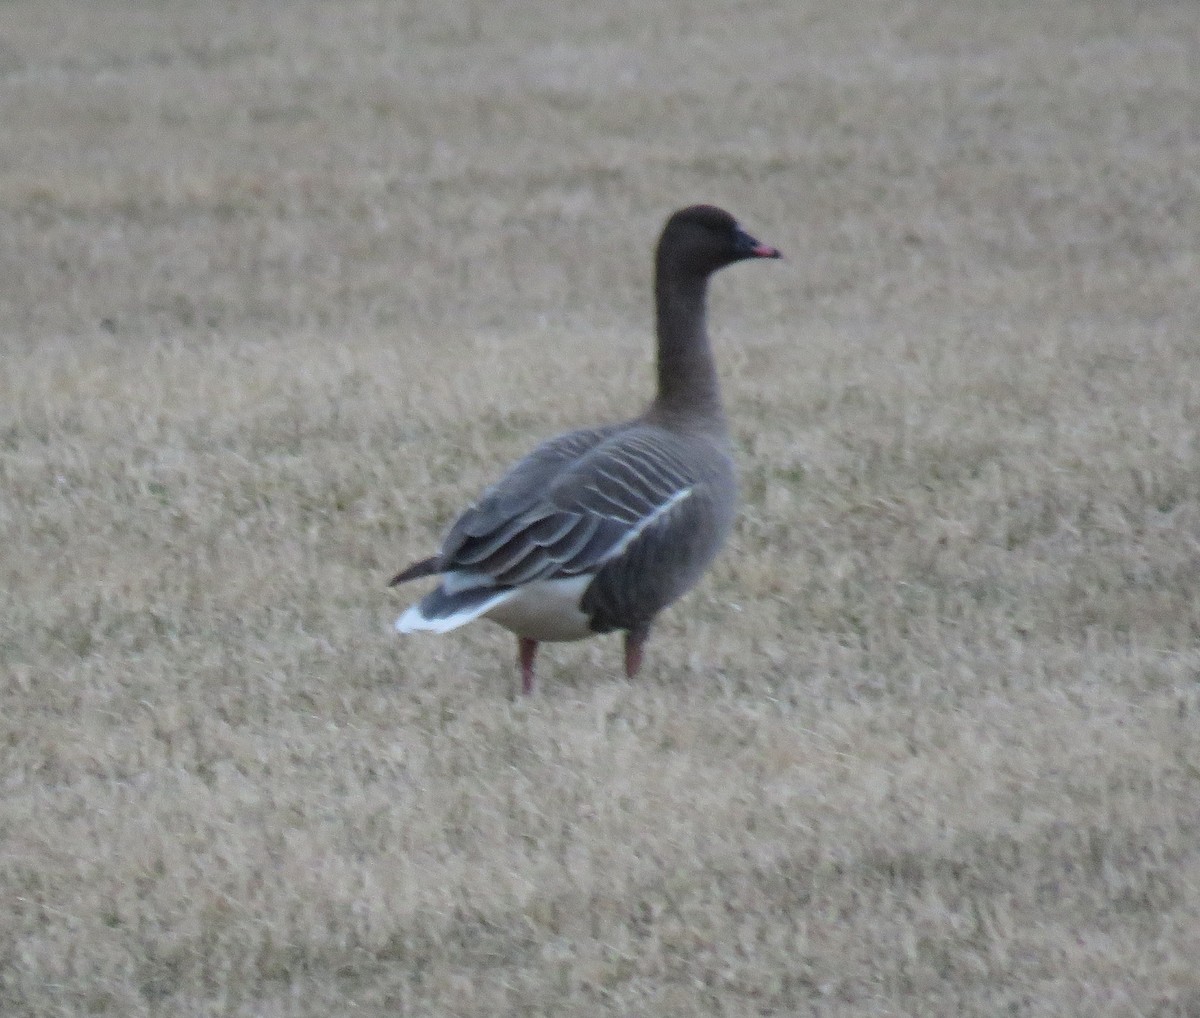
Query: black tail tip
x,y
426,567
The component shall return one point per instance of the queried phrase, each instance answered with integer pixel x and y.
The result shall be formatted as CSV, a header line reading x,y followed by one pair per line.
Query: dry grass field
x,y
282,285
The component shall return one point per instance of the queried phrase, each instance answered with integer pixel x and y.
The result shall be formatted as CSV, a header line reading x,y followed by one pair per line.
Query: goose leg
x,y
635,641
526,652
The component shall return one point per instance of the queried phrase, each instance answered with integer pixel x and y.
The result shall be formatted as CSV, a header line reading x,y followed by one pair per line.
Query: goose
x,y
600,529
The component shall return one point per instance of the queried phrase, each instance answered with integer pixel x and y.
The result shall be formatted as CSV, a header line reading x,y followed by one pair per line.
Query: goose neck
x,y
687,377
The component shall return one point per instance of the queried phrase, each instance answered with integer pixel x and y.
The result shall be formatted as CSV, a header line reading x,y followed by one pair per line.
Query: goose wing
x,y
559,514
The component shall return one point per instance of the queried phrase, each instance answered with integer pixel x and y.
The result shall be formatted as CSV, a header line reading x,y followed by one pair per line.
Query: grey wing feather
x,y
494,539
631,481
525,483
518,491
477,550
568,507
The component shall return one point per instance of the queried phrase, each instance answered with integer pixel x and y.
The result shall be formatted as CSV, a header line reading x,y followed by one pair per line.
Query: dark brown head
x,y
700,239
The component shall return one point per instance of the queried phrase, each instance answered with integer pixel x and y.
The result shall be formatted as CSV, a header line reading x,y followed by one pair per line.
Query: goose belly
x,y
546,610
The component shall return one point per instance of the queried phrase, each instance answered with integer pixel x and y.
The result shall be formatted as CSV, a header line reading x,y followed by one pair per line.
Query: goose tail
x,y
440,611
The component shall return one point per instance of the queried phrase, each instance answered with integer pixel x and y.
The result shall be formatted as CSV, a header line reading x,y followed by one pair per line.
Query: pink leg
x,y
526,652
635,641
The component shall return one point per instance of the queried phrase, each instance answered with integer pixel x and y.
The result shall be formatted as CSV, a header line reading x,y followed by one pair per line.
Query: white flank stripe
x,y
633,533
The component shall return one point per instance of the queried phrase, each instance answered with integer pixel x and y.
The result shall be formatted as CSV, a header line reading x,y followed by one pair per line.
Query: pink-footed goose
x,y
600,529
